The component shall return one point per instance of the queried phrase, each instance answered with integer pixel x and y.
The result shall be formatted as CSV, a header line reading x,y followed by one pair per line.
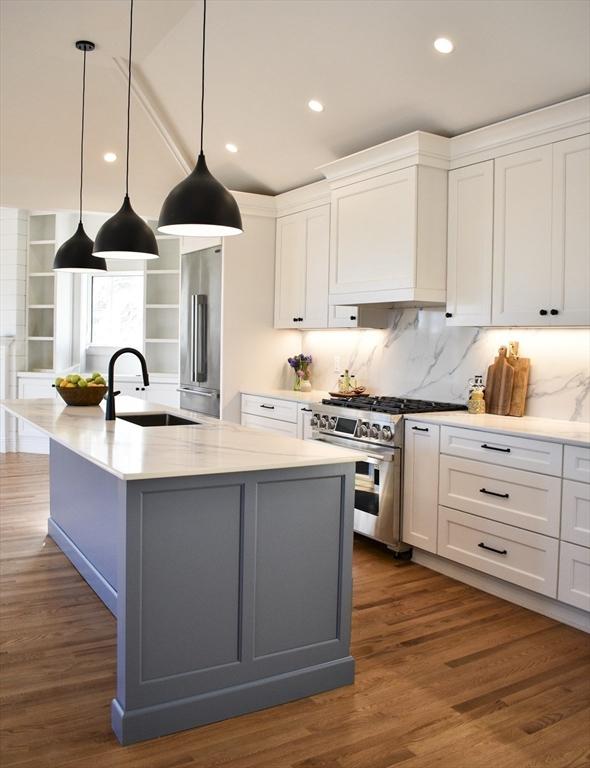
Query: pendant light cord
x,y
82,134
203,75
129,98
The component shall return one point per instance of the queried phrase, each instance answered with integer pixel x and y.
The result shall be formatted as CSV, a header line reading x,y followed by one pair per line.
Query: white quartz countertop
x,y
132,452
315,396
555,430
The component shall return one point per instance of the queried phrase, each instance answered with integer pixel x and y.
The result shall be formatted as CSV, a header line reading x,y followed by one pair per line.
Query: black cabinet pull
x,y
493,448
543,312
448,314
300,319
353,317
493,493
270,407
294,319
421,429
554,312
137,389
491,549
307,410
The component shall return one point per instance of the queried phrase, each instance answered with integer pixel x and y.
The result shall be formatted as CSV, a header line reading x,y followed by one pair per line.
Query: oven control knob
x,y
324,422
332,422
364,429
386,433
315,420
374,431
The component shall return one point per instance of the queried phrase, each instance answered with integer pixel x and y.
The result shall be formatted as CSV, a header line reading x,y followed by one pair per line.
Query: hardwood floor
x,y
447,676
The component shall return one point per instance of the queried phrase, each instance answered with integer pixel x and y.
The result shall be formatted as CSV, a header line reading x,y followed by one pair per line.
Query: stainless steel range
x,y
375,426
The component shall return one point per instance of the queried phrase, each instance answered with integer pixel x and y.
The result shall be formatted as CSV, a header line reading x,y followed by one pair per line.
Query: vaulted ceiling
x,y
371,62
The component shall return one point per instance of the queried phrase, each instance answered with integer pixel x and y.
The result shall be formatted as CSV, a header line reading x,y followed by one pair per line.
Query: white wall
x,y
254,354
13,259
418,356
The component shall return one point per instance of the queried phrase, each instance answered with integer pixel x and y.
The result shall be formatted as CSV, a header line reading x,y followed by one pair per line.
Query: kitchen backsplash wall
x,y
419,356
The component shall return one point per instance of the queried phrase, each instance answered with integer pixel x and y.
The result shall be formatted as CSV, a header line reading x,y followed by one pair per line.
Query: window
x,y
116,307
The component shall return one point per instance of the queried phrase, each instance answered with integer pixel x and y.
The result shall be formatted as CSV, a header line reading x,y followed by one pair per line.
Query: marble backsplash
x,y
419,356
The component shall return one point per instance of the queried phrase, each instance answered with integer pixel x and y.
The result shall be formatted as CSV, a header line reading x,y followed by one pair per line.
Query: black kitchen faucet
x,y
110,411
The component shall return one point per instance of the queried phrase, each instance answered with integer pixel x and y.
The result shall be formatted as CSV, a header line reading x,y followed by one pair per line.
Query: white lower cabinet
x,y
304,415
521,557
575,513
29,439
574,575
421,459
269,424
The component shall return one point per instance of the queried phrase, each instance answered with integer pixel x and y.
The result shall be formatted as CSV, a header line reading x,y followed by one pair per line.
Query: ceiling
x,y
371,62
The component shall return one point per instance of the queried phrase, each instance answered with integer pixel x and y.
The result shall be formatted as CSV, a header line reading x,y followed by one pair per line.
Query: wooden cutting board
x,y
499,385
520,386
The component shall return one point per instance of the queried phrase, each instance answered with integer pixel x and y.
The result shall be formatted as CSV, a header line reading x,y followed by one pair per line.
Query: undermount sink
x,y
157,420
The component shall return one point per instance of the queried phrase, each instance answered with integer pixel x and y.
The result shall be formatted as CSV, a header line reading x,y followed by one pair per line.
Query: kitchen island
x,y
224,553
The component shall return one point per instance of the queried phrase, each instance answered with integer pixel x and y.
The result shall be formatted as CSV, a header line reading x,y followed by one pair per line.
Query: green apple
x,y
58,381
82,383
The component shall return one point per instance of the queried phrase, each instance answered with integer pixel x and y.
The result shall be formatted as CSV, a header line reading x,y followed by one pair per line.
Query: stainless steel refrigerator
x,y
200,331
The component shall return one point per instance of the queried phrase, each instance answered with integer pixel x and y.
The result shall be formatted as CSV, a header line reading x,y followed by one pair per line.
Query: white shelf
x,y
42,242
162,306
39,338
162,272
161,341
41,274
41,306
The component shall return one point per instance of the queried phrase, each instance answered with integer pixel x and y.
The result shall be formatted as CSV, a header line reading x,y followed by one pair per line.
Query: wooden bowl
x,y
82,395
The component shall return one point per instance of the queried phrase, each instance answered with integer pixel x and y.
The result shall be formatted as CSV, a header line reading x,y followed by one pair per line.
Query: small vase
x,y
305,385
297,384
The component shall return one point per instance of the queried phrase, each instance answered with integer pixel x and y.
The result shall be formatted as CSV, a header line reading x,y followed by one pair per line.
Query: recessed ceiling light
x,y
315,105
109,157
231,148
443,45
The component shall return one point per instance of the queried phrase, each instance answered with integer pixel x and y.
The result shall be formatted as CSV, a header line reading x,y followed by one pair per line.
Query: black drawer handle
x,y
270,407
448,314
554,312
307,410
421,429
542,312
491,549
493,448
493,493
353,317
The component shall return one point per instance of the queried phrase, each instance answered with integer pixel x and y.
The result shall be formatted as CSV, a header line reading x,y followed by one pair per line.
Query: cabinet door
x,y
304,414
570,277
343,317
373,234
574,575
317,255
522,238
420,515
470,238
290,271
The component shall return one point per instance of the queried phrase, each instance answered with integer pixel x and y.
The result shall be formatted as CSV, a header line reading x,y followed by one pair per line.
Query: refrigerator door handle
x,y
201,338
192,336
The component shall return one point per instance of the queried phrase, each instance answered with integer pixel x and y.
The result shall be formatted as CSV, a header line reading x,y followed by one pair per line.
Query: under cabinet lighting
x,y
315,105
231,148
109,157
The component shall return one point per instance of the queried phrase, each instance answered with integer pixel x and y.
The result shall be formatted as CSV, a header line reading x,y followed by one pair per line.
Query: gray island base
x,y
232,592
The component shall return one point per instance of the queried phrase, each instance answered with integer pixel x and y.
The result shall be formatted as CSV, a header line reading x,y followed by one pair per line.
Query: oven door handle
x,y
365,452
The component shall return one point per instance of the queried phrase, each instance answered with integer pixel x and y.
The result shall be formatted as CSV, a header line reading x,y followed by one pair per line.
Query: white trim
x,y
567,614
303,198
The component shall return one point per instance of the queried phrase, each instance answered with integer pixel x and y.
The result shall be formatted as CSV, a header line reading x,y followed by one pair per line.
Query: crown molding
x,y
532,129
252,204
303,198
417,148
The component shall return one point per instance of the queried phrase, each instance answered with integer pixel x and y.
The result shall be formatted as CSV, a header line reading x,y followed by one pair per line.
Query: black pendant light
x,y
75,255
200,206
126,235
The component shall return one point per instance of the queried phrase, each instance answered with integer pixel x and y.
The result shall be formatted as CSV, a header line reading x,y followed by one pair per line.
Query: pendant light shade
x,y
200,206
126,235
75,255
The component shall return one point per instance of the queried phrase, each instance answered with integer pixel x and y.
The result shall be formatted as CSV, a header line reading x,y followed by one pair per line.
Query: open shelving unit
x,y
41,288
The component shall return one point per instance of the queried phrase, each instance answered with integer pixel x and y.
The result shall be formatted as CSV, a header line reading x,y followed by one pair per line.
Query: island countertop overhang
x,y
132,452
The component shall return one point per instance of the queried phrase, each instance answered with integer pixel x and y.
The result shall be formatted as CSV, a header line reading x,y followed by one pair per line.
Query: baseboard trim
x,y
567,614
84,567
150,722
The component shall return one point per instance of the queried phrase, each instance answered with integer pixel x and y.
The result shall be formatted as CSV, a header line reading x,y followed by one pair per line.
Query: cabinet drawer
x,y
270,407
270,425
521,557
509,451
525,499
576,463
574,575
575,512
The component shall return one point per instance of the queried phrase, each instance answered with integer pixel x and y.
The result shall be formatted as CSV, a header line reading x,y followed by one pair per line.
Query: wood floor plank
x,y
447,676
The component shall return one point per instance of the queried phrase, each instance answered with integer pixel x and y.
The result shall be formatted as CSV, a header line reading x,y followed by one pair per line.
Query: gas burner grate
x,y
393,405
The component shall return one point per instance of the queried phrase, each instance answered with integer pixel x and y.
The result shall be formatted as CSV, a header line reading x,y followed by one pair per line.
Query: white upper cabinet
x,y
542,236
301,280
388,238
570,275
470,242
522,237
